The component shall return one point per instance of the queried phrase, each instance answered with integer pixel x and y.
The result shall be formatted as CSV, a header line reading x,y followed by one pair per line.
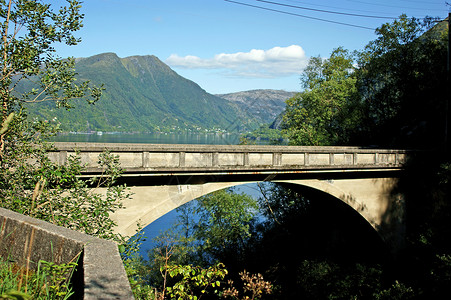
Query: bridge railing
x,y
150,158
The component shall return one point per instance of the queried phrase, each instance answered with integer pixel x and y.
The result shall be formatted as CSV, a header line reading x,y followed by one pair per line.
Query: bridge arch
x,y
373,198
363,178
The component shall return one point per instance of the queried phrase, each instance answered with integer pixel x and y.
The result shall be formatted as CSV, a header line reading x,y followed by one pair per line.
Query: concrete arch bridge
x,y
164,177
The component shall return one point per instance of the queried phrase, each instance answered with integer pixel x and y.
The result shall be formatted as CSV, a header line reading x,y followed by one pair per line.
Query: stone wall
x,y
100,275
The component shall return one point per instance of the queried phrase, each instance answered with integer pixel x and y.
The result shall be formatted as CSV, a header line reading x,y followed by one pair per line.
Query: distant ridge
x,y
264,104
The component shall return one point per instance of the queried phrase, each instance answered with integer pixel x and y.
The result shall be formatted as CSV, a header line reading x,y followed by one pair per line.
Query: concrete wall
x,y
101,274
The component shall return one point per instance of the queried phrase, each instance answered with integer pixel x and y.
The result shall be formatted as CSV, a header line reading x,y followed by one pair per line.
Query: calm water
x,y
153,138
165,222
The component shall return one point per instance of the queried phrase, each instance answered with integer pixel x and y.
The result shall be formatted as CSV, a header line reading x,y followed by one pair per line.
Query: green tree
x,y
400,87
327,110
188,260
213,228
402,83
29,30
264,132
223,225
401,79
29,182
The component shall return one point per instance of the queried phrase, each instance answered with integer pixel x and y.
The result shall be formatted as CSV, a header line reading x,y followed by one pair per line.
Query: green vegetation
x,y
29,182
186,260
264,133
142,94
389,94
49,281
325,113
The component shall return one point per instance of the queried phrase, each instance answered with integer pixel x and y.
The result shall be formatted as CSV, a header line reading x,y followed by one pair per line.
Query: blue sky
x,y
229,47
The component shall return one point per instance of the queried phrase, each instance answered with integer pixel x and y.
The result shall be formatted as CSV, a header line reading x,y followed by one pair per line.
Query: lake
x,y
165,222
153,138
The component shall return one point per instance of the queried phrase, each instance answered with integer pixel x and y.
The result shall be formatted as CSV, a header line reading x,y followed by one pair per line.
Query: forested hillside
x,y
144,94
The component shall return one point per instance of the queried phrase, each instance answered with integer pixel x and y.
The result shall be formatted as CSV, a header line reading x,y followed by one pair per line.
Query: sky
x,y
228,46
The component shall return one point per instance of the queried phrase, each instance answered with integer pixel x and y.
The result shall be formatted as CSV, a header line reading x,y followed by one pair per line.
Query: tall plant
x,y
32,72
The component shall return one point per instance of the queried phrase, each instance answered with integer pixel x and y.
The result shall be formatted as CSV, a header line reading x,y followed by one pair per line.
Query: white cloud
x,y
275,62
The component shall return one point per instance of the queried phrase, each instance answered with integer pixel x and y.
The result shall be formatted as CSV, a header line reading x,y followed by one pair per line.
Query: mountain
x,y
144,94
264,105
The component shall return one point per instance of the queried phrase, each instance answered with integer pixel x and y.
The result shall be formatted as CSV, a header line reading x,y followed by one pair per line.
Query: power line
x,y
299,15
394,6
327,11
422,2
329,6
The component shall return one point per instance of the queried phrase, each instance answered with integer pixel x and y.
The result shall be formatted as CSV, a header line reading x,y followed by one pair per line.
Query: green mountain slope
x,y
144,94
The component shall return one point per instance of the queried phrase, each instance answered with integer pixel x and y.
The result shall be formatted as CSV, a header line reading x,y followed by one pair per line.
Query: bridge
x,y
164,177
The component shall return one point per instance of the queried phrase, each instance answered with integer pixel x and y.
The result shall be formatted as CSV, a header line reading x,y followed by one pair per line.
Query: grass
x,y
49,281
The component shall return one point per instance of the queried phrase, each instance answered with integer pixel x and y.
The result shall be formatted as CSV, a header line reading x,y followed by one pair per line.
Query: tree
x,y
266,133
29,31
401,79
188,260
223,225
29,182
326,111
211,229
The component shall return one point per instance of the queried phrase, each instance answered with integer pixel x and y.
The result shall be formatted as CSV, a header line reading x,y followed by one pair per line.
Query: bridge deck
x,y
163,159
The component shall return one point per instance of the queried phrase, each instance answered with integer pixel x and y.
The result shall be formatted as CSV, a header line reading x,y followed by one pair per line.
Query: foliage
x,y
185,281
57,277
325,113
390,93
253,284
401,80
193,281
223,224
29,182
397,88
188,256
328,280
273,136
134,265
211,229
279,204
49,281
56,194
29,30
396,291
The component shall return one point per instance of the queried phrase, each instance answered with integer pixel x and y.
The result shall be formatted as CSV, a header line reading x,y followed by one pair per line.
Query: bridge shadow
x,y
331,229
318,230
